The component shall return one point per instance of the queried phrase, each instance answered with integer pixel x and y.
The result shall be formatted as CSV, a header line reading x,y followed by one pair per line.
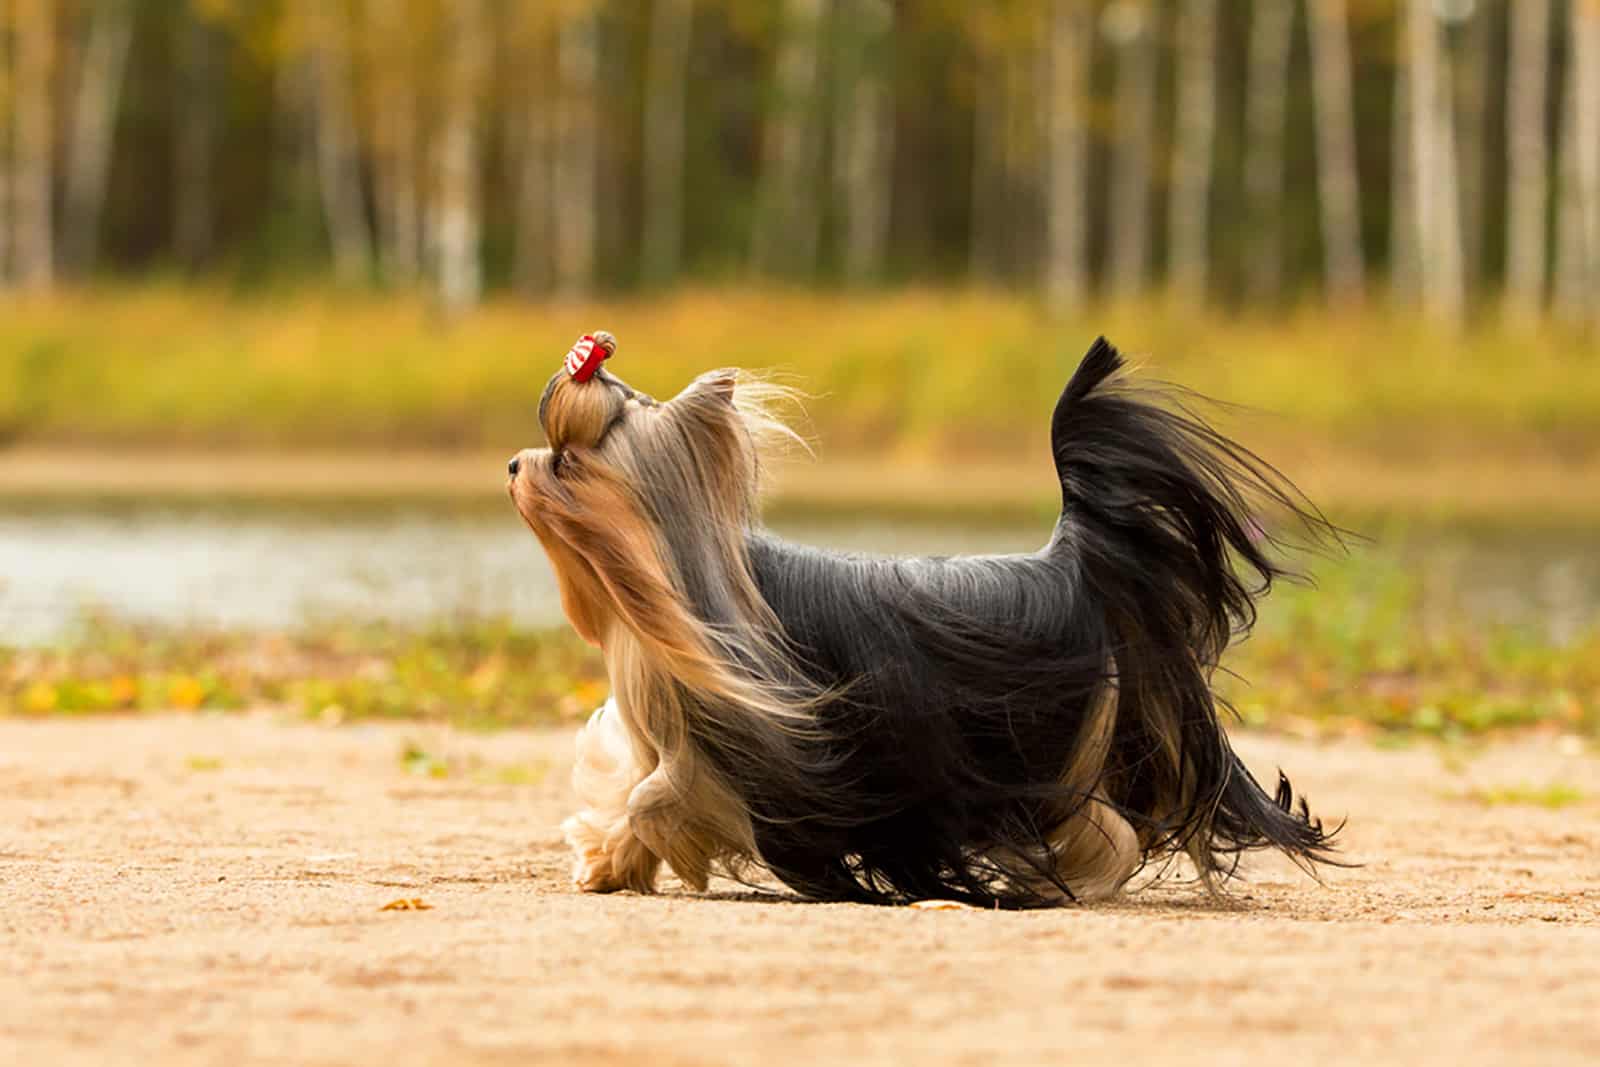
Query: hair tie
x,y
585,357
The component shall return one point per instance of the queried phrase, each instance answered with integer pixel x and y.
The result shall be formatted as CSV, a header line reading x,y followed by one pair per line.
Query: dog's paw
x,y
593,872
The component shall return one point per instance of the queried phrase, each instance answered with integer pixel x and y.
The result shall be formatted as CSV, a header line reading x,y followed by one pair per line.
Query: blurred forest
x,y
1437,153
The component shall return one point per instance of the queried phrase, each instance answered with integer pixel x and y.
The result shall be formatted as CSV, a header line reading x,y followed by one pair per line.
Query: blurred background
x,y
280,283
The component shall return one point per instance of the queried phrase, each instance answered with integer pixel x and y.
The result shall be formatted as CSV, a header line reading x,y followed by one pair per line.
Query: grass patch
x,y
1555,796
911,372
1382,649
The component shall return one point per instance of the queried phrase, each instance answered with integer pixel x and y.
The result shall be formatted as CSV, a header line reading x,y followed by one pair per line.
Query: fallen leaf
x,y
941,905
407,904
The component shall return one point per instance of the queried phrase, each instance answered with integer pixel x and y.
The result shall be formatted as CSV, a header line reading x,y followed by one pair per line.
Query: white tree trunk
x,y
1133,158
396,145
1405,233
1527,156
1267,89
7,104
1578,251
94,123
32,144
457,215
989,117
1189,211
1071,53
1438,205
864,135
194,139
1471,66
577,160
1338,182
338,167
787,216
666,80
534,263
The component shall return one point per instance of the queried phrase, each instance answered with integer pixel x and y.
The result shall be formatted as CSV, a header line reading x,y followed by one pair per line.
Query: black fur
x,y
956,690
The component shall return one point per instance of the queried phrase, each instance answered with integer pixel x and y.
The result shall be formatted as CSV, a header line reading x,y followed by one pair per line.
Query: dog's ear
x,y
715,385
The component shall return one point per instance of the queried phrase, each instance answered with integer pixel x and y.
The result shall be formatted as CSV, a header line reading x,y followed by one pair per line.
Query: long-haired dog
x,y
1003,730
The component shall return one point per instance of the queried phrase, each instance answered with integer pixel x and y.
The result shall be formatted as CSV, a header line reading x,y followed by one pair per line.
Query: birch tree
x,y
990,115
194,137
338,169
577,155
1578,251
1527,155
1338,176
457,215
396,142
1189,214
863,143
1131,28
1405,236
7,102
93,128
1266,113
666,80
1438,206
1067,256
536,136
786,231
33,143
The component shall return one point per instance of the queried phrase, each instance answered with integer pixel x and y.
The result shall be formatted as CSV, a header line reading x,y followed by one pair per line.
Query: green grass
x,y
918,372
1375,651
1555,796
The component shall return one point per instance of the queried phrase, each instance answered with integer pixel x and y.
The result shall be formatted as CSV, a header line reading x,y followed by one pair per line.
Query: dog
x,y
1004,731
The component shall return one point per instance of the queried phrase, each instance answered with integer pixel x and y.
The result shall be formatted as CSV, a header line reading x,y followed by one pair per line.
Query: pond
x,y
271,567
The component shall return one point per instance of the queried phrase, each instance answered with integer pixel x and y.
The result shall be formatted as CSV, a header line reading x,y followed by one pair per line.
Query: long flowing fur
x,y
1012,730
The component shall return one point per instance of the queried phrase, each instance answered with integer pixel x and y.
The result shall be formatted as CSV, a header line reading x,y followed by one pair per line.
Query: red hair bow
x,y
586,356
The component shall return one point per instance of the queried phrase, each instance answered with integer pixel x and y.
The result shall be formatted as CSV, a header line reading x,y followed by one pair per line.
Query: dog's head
x,y
643,506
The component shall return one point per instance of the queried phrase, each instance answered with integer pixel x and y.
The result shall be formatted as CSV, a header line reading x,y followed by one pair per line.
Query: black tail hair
x,y
1159,516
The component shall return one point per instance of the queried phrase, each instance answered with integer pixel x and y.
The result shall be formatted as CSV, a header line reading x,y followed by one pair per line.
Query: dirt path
x,y
207,890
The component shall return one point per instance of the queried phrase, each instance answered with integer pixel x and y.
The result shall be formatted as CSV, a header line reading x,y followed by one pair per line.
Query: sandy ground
x,y
208,890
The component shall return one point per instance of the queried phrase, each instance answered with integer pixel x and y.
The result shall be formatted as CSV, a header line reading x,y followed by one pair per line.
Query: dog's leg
x,y
1096,851
688,818
608,854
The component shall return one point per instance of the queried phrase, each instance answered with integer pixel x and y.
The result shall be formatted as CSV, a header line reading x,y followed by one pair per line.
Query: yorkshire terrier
x,y
1014,731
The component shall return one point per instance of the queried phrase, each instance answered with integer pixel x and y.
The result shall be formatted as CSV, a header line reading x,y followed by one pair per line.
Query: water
x,y
265,567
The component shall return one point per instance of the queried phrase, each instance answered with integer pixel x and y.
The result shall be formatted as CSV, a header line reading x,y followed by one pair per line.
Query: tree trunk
x,y
1405,233
1470,61
1071,53
457,216
7,106
985,242
666,76
1190,207
533,266
1338,176
94,123
1438,205
787,218
1134,155
338,166
1267,88
32,144
1527,156
577,160
864,135
396,145
194,139
1578,253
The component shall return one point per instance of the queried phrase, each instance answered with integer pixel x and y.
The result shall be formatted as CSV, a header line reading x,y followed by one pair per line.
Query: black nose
x,y
514,465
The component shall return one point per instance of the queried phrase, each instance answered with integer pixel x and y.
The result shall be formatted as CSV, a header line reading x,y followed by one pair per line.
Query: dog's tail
x,y
1159,518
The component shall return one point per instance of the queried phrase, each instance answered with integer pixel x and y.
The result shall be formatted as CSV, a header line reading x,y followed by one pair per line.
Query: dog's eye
x,y
557,460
